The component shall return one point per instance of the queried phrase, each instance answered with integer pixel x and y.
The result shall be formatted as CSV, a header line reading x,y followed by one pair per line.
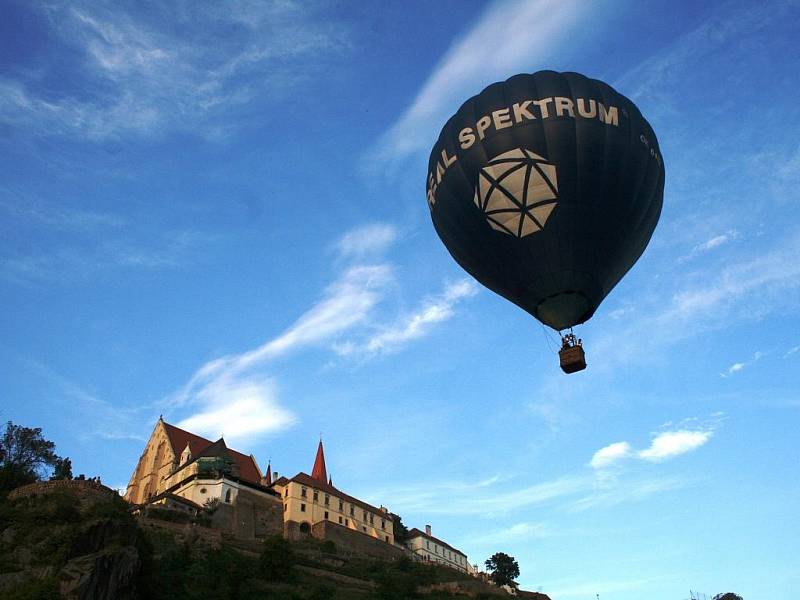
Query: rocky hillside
x,y
80,542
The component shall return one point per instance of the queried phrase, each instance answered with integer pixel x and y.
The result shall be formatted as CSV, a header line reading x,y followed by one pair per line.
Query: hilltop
x,y
77,539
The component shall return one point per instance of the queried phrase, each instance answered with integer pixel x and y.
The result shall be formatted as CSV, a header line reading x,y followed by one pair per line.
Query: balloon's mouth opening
x,y
564,310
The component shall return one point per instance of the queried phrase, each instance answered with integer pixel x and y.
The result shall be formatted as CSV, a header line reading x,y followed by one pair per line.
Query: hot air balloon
x,y
546,188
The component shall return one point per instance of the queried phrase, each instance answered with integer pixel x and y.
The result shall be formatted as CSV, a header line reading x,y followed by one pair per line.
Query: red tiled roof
x,y
323,486
248,469
414,532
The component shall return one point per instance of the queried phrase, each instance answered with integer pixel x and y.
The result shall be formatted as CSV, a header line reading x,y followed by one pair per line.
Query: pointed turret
x,y
319,472
268,476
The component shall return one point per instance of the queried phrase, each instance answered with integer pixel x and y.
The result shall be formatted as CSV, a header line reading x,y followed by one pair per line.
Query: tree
x,y
727,596
62,469
24,455
400,530
277,559
503,569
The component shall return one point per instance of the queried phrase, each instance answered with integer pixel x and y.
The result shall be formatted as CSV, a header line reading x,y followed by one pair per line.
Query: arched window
x,y
228,496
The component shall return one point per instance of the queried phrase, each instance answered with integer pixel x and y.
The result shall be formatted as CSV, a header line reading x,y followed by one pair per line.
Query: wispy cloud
x,y
710,244
674,443
236,399
140,77
433,310
610,454
685,436
791,351
518,532
368,239
67,262
748,287
504,28
740,366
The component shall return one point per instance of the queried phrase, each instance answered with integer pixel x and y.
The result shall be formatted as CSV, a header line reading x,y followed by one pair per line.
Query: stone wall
x,y
355,541
83,489
251,516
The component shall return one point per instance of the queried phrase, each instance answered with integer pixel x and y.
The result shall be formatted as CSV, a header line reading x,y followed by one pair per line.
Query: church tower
x,y
319,472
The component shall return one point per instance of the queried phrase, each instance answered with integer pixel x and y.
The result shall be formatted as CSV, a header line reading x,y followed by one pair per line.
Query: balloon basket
x,y
572,359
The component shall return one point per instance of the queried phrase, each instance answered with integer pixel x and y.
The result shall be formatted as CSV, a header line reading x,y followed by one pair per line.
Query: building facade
x,y
311,499
174,456
431,549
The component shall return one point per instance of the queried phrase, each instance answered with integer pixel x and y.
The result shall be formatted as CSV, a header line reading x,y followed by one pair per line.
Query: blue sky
x,y
217,213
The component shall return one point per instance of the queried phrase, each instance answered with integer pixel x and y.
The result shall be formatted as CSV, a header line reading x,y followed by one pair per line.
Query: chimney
x,y
428,530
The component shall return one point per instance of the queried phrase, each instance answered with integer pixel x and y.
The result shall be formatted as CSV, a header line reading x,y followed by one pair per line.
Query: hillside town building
x,y
431,549
185,473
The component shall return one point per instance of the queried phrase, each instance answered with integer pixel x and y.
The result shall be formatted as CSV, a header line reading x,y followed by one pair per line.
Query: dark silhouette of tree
x,y
62,469
24,456
503,569
728,596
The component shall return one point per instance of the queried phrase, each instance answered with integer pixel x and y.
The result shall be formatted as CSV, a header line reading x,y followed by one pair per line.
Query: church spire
x,y
319,472
268,476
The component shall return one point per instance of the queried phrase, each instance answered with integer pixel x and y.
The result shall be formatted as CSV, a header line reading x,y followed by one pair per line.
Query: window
x,y
303,492
427,544
365,516
387,538
347,522
340,520
202,490
316,495
228,497
326,515
302,507
341,506
383,524
352,511
364,528
285,506
327,500
371,521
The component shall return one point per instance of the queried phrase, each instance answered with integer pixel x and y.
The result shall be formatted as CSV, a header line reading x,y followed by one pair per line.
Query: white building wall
x,y
429,550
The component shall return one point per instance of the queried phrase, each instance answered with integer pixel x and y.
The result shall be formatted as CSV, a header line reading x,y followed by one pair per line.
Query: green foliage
x,y
24,455
62,469
46,589
167,514
503,568
277,559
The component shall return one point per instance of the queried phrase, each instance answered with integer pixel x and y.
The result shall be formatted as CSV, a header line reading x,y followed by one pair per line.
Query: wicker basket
x,y
572,359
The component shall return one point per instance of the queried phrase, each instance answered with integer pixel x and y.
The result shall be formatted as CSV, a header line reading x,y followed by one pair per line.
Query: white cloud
x,y
674,443
239,409
610,454
517,532
791,351
137,76
414,326
233,397
369,239
509,37
746,288
740,366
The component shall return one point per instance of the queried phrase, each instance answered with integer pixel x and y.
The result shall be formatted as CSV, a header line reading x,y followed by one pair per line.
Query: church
x,y
179,470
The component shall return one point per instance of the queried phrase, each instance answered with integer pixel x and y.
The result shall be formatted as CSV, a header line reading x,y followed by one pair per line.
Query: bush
x,y
166,514
277,559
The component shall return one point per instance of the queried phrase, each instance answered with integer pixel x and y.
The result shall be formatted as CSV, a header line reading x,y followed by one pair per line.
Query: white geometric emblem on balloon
x,y
517,191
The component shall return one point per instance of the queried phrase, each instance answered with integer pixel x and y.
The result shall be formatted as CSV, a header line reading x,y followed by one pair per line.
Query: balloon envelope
x,y
547,188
